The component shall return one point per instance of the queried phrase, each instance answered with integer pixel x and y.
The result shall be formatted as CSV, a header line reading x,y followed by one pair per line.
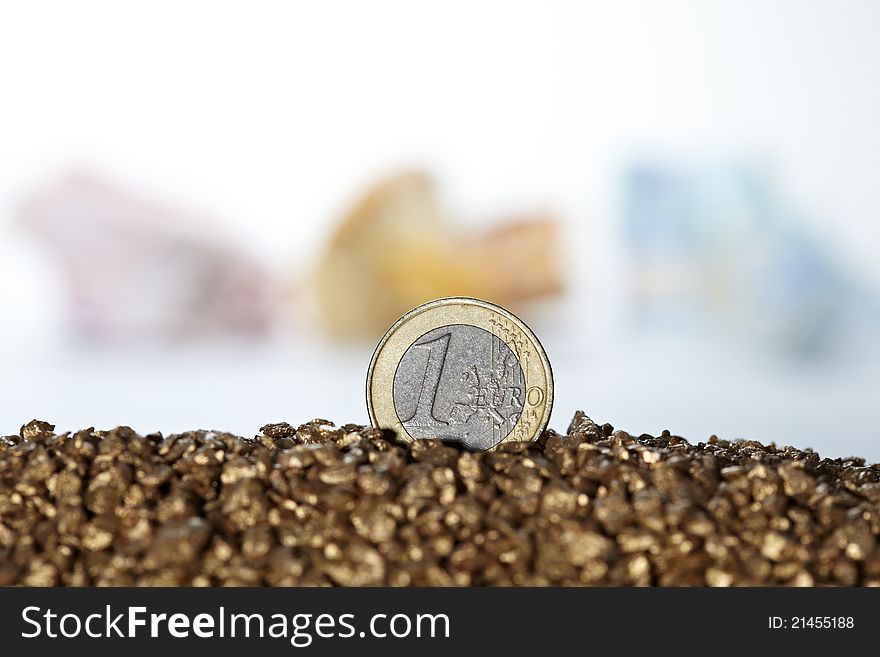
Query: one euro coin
x,y
464,371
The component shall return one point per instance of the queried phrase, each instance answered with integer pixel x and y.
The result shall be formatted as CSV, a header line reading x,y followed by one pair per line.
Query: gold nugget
x,y
316,504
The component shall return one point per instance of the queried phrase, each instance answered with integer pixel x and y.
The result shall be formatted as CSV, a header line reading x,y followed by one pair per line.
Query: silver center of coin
x,y
459,383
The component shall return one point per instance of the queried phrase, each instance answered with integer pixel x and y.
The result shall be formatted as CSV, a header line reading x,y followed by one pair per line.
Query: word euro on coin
x,y
462,370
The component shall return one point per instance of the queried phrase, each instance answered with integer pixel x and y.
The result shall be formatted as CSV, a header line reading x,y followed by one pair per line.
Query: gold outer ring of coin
x,y
462,310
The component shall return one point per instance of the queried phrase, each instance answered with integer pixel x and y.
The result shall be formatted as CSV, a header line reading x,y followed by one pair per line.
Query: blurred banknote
x,y
135,268
715,248
397,248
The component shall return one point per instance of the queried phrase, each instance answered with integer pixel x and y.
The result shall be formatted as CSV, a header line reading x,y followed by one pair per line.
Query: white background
x,y
275,116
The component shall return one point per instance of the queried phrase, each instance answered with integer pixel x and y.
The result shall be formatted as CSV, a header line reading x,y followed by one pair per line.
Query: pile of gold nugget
x,y
321,505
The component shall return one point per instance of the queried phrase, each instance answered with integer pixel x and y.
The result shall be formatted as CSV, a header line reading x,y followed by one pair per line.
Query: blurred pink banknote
x,y
135,269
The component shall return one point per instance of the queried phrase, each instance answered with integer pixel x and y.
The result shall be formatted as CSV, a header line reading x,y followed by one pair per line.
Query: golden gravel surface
x,y
324,505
